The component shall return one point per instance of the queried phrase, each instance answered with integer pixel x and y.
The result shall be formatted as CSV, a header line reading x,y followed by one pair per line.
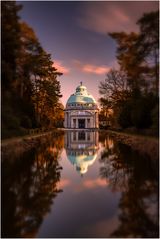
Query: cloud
x,y
99,70
90,68
104,17
60,67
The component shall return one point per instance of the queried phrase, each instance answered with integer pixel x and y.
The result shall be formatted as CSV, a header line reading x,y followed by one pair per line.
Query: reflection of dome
x,y
82,161
81,96
81,148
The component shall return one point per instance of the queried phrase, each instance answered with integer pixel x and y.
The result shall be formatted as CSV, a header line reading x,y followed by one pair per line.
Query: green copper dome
x,y
81,96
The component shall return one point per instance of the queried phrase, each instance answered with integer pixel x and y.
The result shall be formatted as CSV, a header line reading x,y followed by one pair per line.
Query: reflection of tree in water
x,y
114,167
137,177
29,185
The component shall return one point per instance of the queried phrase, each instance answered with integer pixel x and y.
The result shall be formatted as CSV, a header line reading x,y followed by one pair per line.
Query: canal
x,y
79,184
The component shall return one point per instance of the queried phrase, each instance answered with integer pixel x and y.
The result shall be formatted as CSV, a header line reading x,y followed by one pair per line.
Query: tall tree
x,y
31,90
149,43
115,92
46,87
10,42
115,86
137,55
131,61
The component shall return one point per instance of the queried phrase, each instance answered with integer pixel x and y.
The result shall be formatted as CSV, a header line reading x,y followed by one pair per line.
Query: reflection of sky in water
x,y
113,192
86,207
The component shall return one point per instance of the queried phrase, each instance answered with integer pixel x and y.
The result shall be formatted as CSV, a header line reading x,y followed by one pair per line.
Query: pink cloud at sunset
x,y
60,67
114,16
78,30
90,68
99,70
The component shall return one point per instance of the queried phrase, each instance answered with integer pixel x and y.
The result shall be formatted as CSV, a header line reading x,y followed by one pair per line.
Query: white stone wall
x,y
71,118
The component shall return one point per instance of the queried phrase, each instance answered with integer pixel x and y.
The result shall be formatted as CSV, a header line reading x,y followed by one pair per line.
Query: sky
x,y
75,33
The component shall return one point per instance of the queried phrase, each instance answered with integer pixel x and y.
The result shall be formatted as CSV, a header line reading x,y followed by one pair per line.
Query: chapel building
x,y
81,110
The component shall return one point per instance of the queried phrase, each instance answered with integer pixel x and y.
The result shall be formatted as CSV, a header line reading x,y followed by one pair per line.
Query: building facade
x,y
81,110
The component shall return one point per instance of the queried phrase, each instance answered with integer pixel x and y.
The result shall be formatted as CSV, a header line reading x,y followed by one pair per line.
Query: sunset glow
x,y
75,33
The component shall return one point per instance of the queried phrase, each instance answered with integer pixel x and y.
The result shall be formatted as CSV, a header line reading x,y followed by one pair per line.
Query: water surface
x,y
80,184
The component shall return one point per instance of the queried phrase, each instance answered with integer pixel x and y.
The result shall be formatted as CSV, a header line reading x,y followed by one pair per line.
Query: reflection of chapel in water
x,y
81,148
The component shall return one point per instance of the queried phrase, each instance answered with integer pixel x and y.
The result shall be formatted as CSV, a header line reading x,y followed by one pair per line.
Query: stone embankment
x,y
143,144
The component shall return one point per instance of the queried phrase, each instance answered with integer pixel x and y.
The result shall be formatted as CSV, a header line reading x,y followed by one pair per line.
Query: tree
x,y
149,43
137,55
10,42
31,90
29,48
115,91
46,88
115,87
39,82
130,59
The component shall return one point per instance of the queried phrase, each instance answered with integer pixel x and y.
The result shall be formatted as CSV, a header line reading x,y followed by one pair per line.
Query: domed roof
x,y
81,96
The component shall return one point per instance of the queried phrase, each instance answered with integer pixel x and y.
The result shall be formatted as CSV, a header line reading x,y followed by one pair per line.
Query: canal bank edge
x,y
143,144
19,145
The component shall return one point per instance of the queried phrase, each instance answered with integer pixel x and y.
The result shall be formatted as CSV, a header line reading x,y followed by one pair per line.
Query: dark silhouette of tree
x,y
10,43
132,91
115,92
31,90
115,87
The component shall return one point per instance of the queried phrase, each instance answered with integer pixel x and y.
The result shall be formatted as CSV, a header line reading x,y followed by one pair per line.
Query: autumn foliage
x,y
30,86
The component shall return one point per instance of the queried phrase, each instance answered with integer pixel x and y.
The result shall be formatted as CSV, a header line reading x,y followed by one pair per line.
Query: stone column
x,y
76,123
69,120
96,118
92,121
